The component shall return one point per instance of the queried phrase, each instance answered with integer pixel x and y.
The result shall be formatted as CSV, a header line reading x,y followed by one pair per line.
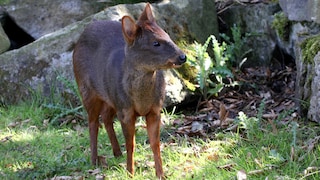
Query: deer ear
x,y
147,14
129,29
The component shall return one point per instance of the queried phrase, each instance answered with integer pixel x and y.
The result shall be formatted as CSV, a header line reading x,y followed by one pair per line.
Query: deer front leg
x,y
128,128
153,127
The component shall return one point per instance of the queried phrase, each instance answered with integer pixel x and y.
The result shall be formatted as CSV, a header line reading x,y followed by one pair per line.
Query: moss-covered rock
x,y
308,73
281,24
308,77
314,103
310,47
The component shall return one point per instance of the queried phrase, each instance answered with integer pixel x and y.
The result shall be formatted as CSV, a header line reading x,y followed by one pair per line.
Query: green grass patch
x,y
31,148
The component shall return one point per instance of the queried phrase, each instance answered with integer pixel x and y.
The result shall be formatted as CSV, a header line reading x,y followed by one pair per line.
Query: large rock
x,y
307,48
42,17
305,41
308,76
4,41
256,20
313,112
35,67
201,19
176,17
298,10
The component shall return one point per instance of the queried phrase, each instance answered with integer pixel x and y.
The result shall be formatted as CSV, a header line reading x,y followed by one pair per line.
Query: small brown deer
x,y
118,69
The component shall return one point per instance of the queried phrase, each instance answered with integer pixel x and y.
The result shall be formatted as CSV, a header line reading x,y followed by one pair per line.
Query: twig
x,y
224,9
310,174
259,171
243,4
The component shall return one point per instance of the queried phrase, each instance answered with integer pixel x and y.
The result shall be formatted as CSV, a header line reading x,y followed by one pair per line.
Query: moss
x,y
187,72
281,24
310,47
4,2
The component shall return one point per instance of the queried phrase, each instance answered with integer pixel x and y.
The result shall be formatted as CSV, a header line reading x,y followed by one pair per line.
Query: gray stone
x,y
306,80
313,112
201,18
175,89
38,18
303,81
256,20
294,38
298,10
175,17
4,40
35,67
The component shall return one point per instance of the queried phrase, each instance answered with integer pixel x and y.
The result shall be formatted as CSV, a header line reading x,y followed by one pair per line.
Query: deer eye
x,y
156,43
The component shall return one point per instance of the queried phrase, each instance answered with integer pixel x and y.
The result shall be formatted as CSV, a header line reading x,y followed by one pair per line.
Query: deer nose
x,y
182,58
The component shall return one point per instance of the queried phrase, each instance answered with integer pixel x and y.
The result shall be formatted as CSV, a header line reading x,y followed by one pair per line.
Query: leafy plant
x,y
236,46
62,110
251,124
211,71
214,65
294,134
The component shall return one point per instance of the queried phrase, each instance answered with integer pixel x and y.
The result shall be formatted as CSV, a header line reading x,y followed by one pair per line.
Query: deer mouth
x,y
177,62
173,65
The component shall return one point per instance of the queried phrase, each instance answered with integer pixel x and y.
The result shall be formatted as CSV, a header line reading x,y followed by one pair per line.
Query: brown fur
x,y
118,69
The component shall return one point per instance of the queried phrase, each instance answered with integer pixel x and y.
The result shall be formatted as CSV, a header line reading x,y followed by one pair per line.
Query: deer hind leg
x,y
108,114
93,107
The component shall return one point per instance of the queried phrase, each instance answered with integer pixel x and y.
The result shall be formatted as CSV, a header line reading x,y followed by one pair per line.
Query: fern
x,y
236,47
217,67
214,70
204,64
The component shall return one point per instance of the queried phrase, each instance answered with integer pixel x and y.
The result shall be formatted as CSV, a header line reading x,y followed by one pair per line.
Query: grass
x,y
32,148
